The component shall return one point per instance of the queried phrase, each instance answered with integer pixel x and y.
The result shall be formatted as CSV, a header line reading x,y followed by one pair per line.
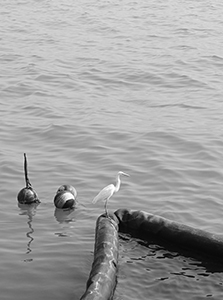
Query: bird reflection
x,y
30,211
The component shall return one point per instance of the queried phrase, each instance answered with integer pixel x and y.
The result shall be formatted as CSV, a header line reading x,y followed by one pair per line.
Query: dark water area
x,y
92,88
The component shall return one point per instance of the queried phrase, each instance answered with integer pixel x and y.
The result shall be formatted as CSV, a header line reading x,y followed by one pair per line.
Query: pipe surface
x,y
103,276
149,225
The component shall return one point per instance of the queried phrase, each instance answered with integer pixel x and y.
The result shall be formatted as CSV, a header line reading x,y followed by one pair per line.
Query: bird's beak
x,y
125,174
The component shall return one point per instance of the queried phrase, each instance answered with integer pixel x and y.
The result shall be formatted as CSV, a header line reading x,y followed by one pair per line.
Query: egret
x,y
106,193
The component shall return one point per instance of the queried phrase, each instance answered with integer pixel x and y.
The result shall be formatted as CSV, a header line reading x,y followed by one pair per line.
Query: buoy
x,y
67,187
27,195
65,197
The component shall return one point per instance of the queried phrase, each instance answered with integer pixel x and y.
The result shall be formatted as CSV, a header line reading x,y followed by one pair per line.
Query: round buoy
x,y
65,197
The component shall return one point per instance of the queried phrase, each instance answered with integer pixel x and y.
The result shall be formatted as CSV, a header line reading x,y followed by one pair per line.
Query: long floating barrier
x,y
102,279
151,226
103,276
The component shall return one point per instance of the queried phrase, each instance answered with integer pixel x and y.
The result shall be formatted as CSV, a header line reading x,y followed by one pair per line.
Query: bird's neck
x,y
118,182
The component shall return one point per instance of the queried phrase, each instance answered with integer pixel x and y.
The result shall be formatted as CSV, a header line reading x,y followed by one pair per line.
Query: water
x,y
91,88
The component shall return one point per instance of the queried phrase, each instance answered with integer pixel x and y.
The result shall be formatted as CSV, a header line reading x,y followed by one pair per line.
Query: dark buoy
x,y
65,197
27,195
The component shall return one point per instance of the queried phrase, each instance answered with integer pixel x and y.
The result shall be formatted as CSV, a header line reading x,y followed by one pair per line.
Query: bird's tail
x,y
95,199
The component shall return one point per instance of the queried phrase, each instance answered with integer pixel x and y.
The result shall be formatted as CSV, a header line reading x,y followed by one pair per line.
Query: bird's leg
x,y
106,210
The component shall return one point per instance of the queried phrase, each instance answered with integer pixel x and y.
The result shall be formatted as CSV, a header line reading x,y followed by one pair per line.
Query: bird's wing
x,y
104,194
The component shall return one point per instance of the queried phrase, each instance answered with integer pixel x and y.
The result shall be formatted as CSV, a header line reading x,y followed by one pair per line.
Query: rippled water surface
x,y
87,89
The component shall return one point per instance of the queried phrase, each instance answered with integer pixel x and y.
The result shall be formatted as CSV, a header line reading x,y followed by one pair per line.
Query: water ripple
x,y
91,88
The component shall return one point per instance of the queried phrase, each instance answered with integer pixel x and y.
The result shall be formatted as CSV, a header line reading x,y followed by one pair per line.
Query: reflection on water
x,y
153,261
162,250
64,215
30,211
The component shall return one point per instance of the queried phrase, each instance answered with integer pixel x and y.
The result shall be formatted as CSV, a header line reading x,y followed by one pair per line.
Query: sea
x,y
89,88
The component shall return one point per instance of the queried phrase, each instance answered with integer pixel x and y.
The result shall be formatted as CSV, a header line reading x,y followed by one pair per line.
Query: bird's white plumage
x,y
106,193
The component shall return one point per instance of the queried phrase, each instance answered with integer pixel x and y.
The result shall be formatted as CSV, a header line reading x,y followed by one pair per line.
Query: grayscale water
x,y
88,88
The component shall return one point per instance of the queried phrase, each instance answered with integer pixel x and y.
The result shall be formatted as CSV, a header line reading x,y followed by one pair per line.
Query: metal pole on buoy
x,y
27,195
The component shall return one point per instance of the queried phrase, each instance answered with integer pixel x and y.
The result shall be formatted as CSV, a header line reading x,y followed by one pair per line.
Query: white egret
x,y
106,193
